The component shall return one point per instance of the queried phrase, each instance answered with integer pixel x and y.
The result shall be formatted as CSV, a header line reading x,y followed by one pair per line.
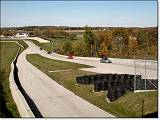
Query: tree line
x,y
112,42
120,42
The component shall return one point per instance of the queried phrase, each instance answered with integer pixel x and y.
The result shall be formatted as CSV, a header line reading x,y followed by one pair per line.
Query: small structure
x,y
132,38
21,34
2,36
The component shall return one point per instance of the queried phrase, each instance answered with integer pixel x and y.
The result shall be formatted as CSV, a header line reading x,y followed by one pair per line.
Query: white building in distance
x,y
21,35
2,36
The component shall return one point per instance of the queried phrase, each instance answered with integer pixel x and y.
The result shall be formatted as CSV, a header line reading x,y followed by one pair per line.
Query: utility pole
x,y
145,73
142,107
52,46
134,74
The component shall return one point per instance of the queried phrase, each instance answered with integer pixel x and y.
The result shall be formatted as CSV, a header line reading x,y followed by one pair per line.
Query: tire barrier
x,y
97,83
29,101
111,93
85,80
116,84
91,78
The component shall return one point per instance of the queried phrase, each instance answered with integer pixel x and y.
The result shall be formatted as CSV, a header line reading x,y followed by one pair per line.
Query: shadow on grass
x,y
151,115
4,111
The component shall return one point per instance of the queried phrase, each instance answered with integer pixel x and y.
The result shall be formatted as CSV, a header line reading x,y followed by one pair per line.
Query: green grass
x,y
128,105
23,44
58,43
57,46
19,41
8,52
46,46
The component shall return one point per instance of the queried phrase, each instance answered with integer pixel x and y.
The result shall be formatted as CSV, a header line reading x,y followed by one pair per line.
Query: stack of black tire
x,y
116,84
128,81
116,87
84,80
100,81
97,83
139,83
105,80
112,88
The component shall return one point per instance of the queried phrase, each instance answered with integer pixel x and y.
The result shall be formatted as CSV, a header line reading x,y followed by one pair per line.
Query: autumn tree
x,y
143,40
8,32
120,39
133,46
104,40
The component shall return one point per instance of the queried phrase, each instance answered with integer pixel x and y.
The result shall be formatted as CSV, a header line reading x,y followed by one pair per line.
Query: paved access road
x,y
41,40
52,99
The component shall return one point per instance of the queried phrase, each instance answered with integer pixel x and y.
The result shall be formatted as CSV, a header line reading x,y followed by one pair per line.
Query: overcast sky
x,y
80,13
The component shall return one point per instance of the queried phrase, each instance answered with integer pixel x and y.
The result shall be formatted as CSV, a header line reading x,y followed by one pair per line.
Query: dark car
x,y
48,52
105,60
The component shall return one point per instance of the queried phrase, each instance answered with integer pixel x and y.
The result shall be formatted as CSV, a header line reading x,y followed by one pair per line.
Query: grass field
x,y
46,46
23,44
57,46
8,52
58,43
128,105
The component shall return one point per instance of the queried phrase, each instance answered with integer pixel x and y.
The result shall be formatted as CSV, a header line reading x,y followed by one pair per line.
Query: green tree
x,y
79,47
67,47
143,39
72,36
89,38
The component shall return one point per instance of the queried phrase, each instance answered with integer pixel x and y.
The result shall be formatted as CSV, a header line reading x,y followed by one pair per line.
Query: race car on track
x,y
105,60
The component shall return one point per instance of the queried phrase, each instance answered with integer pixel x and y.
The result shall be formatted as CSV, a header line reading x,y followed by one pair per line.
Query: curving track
x,y
52,99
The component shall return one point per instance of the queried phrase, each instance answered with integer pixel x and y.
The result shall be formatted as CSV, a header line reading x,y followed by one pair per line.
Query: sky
x,y
79,13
